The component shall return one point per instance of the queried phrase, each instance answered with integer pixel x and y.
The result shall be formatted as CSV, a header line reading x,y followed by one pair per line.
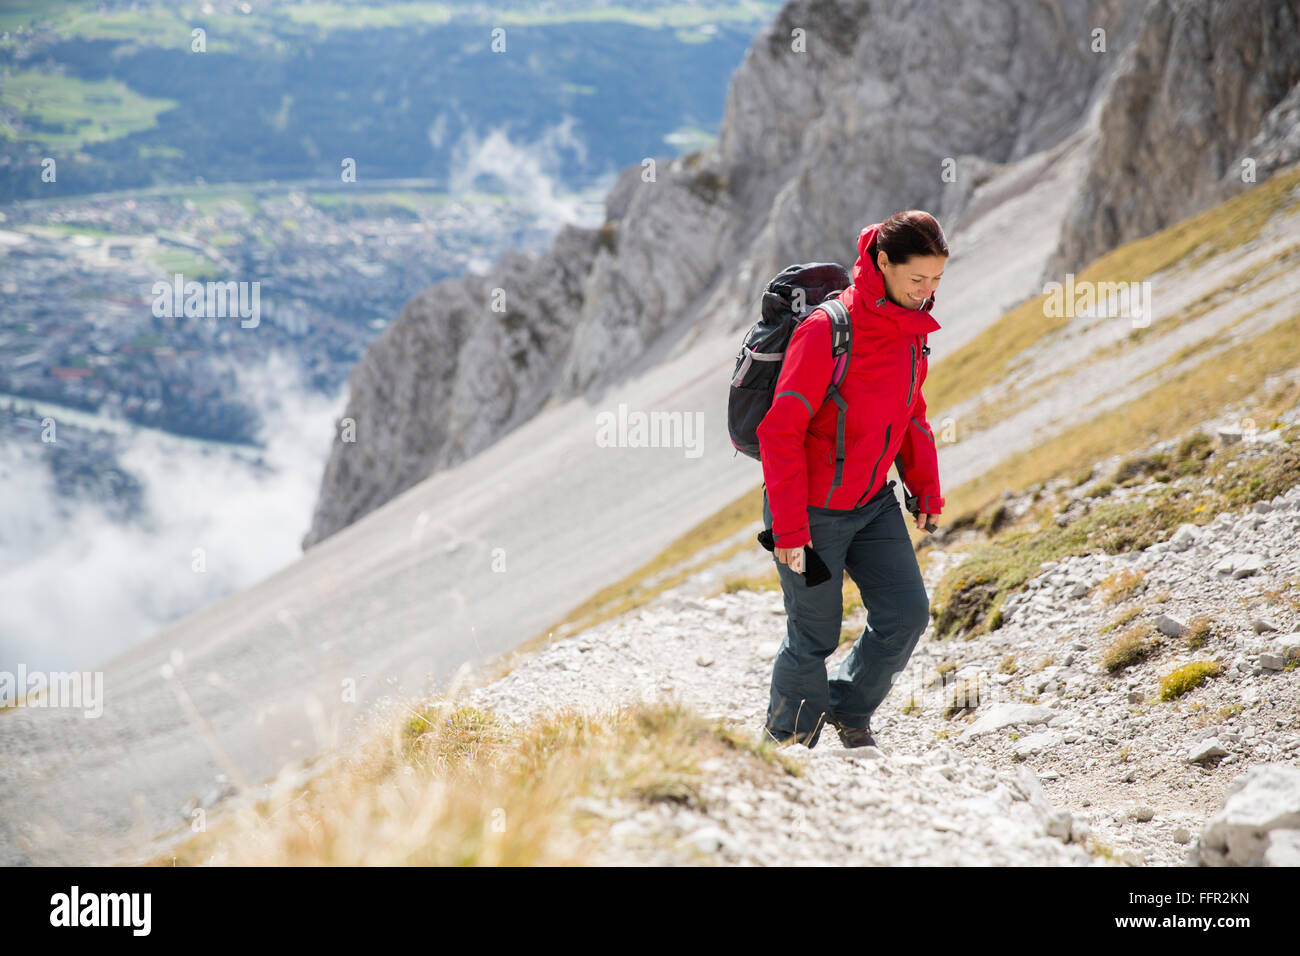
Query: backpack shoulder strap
x,y
841,337
841,349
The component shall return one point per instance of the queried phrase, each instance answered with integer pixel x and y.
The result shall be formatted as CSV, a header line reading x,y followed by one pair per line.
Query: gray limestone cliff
x,y
1206,85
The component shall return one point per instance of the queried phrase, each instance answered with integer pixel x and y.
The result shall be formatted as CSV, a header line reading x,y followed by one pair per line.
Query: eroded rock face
x,y
817,142
1276,145
450,375
1195,94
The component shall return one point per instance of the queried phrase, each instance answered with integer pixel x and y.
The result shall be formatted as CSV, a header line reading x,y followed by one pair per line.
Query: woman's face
x,y
910,283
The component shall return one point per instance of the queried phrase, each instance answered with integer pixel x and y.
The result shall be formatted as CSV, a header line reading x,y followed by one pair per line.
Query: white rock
x,y
1206,750
1184,537
1006,715
1248,565
1225,564
1264,799
1027,787
1033,743
1271,662
708,839
1059,825
1141,813
1283,848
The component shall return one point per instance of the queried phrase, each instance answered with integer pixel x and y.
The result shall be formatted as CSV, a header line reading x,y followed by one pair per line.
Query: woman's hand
x,y
923,520
792,557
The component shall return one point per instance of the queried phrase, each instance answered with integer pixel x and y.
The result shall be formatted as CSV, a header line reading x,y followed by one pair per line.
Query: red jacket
x,y
885,415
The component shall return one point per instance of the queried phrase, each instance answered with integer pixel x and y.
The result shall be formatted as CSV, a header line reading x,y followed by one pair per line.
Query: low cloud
x,y
77,588
525,171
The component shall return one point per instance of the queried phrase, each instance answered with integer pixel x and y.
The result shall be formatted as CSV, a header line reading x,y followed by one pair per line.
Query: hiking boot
x,y
854,736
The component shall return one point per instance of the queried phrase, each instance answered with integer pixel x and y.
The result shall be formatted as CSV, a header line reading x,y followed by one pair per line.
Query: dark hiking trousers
x,y
871,542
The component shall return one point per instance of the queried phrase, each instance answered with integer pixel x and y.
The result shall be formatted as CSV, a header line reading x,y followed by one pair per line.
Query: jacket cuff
x,y
792,539
931,504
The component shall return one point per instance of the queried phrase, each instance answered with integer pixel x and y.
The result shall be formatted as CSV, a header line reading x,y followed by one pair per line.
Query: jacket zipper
x,y
871,484
912,383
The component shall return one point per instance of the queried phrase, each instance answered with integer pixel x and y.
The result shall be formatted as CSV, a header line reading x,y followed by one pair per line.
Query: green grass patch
x,y
1187,678
968,597
64,113
356,16
188,264
213,203
164,26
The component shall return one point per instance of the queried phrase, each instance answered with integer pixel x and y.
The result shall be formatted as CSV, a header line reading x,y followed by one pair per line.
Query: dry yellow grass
x,y
454,785
1134,645
1121,585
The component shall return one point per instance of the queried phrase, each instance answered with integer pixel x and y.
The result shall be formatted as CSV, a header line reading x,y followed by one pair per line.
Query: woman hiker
x,y
856,525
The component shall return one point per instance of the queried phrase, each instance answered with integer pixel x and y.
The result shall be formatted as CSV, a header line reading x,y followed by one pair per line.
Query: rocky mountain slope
x,y
1034,743
1128,695
815,143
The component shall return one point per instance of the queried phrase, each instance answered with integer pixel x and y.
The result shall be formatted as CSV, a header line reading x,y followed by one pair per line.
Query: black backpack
x,y
811,286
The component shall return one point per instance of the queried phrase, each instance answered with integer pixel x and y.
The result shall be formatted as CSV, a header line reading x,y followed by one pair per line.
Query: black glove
x,y
913,505
816,571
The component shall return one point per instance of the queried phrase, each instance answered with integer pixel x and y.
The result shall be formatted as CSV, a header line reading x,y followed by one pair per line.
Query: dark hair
x,y
912,232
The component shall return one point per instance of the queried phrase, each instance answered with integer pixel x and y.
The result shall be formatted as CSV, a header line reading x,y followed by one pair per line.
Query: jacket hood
x,y
868,303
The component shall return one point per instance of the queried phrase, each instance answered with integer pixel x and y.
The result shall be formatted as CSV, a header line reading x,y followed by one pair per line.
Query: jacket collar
x,y
868,304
